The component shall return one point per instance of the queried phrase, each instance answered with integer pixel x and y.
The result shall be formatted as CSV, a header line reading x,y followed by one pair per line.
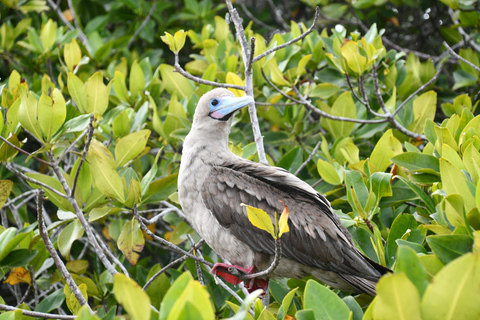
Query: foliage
x,y
92,112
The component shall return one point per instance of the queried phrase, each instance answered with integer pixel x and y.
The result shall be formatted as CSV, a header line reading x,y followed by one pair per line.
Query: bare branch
x,y
25,152
41,184
310,156
275,104
70,147
53,253
377,89
107,251
59,12
273,266
252,17
286,44
81,217
84,153
420,89
277,15
165,242
197,264
144,23
187,75
456,55
37,314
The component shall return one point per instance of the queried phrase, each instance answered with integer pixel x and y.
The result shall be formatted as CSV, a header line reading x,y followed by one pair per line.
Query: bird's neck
x,y
210,146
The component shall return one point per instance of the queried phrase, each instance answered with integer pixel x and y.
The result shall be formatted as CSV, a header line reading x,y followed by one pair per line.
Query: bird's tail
x,y
361,284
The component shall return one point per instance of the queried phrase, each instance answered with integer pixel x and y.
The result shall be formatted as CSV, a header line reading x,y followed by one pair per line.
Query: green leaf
x,y
48,35
324,303
137,80
342,107
120,87
454,209
72,55
454,290
401,225
18,258
67,236
102,166
159,287
328,172
288,300
454,182
7,153
352,304
429,204
409,263
355,60
397,298
175,82
450,247
8,241
417,162
51,302
135,301
387,147
97,94
161,189
130,146
260,219
179,38
424,107
27,113
131,241
52,112
324,90
76,89
381,184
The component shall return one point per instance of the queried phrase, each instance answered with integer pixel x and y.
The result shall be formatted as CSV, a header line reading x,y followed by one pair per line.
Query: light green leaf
x,y
397,299
137,80
52,112
120,87
48,34
67,236
454,182
72,302
175,82
6,187
76,88
387,147
233,78
328,172
180,37
97,94
27,113
135,301
324,302
355,60
342,107
130,146
72,55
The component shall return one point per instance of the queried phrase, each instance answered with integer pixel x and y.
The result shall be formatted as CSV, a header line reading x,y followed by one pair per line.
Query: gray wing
x,y
316,238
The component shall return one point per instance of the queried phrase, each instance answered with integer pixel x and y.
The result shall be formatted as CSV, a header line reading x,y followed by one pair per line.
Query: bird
x,y
213,183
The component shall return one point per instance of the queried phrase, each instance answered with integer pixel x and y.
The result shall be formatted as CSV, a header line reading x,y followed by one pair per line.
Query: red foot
x,y
222,270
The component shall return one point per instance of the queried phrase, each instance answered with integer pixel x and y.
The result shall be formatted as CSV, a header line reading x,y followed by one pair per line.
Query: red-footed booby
x,y
213,183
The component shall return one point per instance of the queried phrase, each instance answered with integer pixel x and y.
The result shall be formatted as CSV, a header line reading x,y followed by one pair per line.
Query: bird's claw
x,y
230,272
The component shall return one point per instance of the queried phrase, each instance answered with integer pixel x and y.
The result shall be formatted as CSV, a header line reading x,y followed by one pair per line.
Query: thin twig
x,y
53,253
187,75
59,12
252,17
144,23
25,152
277,16
107,251
456,55
300,37
350,85
37,314
86,226
41,184
273,266
377,89
197,264
310,156
275,104
361,86
84,153
420,89
165,242
71,146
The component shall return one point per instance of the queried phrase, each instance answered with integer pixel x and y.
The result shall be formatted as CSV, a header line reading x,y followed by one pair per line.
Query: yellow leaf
x,y
283,222
233,78
355,60
6,187
276,74
180,36
72,302
170,41
260,219
19,275
72,55
135,301
131,241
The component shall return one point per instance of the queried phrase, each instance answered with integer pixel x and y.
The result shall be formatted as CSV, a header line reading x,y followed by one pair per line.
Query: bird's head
x,y
217,106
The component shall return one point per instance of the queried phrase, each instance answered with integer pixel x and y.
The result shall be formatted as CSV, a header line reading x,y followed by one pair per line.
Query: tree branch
x,y
144,23
286,44
84,153
456,55
37,314
25,152
53,253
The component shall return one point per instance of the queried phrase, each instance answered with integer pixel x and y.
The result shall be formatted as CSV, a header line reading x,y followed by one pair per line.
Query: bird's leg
x,y
233,274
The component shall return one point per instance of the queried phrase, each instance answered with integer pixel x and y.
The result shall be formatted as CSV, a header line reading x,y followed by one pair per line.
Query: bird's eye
x,y
214,102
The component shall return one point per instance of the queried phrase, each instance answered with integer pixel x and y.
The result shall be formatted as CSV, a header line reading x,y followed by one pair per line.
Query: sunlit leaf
x,y
260,219
135,301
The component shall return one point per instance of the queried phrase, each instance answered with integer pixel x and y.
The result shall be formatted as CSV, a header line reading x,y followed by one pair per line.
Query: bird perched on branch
x,y
213,183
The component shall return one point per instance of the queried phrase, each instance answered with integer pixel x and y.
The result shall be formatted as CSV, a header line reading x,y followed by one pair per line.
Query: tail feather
x,y
361,284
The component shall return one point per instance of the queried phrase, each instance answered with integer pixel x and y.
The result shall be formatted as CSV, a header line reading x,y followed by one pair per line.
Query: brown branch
x,y
300,37
70,147
187,75
377,89
53,253
37,314
456,55
197,264
310,156
25,152
144,23
84,153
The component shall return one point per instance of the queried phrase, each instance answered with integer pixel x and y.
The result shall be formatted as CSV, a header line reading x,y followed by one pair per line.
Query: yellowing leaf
x,y
130,146
283,221
76,89
355,60
135,301
131,241
72,302
19,275
302,63
179,37
233,78
328,172
52,112
27,113
6,187
343,107
97,94
424,107
276,74
72,55
175,82
260,219
120,87
387,147
170,41
48,34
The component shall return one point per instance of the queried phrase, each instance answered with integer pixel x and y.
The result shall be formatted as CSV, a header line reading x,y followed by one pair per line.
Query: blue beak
x,y
222,108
